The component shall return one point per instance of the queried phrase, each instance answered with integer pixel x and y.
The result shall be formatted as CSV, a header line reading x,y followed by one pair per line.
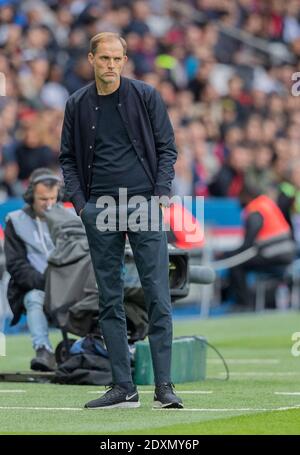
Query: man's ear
x,y
91,58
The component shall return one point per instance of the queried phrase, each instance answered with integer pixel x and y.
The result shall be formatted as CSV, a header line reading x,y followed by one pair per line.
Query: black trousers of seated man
x,y
150,250
258,264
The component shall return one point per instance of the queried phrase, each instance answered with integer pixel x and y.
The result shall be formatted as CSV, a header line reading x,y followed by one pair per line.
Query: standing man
x,y
117,135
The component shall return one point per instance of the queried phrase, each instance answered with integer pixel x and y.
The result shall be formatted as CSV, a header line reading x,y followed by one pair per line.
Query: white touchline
x,y
37,408
12,391
196,392
214,410
247,361
287,393
263,373
286,408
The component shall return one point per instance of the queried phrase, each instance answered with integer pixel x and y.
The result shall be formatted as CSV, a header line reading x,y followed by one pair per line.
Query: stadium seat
x,y
264,280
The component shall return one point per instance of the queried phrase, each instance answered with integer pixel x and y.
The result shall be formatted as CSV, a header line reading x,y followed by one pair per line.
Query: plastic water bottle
x,y
282,297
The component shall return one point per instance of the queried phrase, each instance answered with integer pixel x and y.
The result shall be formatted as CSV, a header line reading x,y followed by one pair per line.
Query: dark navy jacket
x,y
149,129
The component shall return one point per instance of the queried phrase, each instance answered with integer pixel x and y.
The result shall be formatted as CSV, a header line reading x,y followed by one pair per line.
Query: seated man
x,y
27,246
2,309
1,260
289,199
267,243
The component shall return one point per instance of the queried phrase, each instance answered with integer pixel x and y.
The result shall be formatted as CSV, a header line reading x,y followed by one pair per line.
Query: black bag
x,y
88,364
84,369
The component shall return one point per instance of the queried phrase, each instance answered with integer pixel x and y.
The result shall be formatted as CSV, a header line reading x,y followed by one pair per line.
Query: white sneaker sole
x,y
159,405
123,405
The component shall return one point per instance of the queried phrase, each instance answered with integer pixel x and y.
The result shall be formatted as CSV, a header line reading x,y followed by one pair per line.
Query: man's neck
x,y
107,89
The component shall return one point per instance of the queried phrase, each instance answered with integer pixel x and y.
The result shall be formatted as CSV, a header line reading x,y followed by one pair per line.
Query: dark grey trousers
x,y
150,251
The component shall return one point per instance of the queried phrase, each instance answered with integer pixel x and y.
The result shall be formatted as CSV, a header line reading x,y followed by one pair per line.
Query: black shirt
x,y
116,164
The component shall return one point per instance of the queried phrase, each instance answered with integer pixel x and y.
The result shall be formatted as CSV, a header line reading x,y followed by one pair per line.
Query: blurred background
x,y
224,69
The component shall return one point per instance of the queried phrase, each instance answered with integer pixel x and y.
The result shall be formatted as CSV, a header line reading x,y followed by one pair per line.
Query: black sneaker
x,y
164,397
116,397
44,360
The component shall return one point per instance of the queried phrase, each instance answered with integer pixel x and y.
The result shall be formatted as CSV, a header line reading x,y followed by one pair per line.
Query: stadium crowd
x,y
230,103
223,67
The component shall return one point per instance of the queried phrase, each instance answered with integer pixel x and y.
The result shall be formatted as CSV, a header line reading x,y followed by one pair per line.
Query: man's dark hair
x,y
249,192
46,177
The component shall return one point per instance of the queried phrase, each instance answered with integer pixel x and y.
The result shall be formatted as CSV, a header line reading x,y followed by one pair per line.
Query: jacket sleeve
x,y
164,143
68,161
253,224
17,264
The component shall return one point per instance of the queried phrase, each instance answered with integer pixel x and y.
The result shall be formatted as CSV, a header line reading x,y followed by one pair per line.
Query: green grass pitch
x,y
262,395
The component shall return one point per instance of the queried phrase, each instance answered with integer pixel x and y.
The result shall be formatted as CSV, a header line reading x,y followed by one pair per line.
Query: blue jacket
x,y
148,126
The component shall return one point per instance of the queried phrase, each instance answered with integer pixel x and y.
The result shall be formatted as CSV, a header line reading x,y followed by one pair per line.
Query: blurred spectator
x,y
230,179
54,95
238,98
31,151
138,23
260,174
183,182
79,75
289,198
205,163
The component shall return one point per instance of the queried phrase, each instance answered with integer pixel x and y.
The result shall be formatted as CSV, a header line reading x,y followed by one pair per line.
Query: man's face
x,y
44,197
240,158
108,61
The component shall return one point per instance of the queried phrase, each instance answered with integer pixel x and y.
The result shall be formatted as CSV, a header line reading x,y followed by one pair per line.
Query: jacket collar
x,y
29,211
123,91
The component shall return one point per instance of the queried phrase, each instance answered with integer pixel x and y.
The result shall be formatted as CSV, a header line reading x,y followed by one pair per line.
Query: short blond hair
x,y
106,36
